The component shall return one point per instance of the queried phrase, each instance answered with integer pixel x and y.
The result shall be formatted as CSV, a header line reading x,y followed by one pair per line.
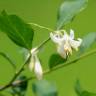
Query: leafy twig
x,y
49,71
22,67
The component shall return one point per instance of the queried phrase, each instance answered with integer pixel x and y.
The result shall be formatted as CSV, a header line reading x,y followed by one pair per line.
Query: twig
x,y
51,70
15,76
9,60
42,27
43,43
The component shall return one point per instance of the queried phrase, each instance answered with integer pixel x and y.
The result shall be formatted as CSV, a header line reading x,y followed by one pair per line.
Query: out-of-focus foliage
x,y
88,40
19,89
68,10
44,88
82,92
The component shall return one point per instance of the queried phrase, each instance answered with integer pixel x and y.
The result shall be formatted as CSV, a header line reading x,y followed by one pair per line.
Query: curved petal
x,y
55,39
65,37
75,44
71,34
80,40
38,69
31,64
60,50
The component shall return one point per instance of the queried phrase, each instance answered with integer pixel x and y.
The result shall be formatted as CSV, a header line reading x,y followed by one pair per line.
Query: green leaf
x,y
20,89
78,88
82,92
55,60
9,59
68,10
86,93
17,30
88,40
44,88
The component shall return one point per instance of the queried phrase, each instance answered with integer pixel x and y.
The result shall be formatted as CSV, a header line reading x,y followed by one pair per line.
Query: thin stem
x,y
51,70
43,43
8,59
20,70
16,75
42,27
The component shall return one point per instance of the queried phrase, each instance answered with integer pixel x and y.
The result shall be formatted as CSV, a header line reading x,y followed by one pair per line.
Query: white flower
x,y
38,69
65,43
35,65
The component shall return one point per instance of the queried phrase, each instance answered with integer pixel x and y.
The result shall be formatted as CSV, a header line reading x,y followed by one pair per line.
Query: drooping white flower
x,y
65,43
35,65
31,63
38,69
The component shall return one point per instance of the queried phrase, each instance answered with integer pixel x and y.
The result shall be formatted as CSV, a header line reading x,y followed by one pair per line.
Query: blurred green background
x,y
44,12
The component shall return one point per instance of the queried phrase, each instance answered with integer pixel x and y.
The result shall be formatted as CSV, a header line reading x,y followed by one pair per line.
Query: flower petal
x,y
71,34
65,37
60,50
55,38
38,69
32,62
75,44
